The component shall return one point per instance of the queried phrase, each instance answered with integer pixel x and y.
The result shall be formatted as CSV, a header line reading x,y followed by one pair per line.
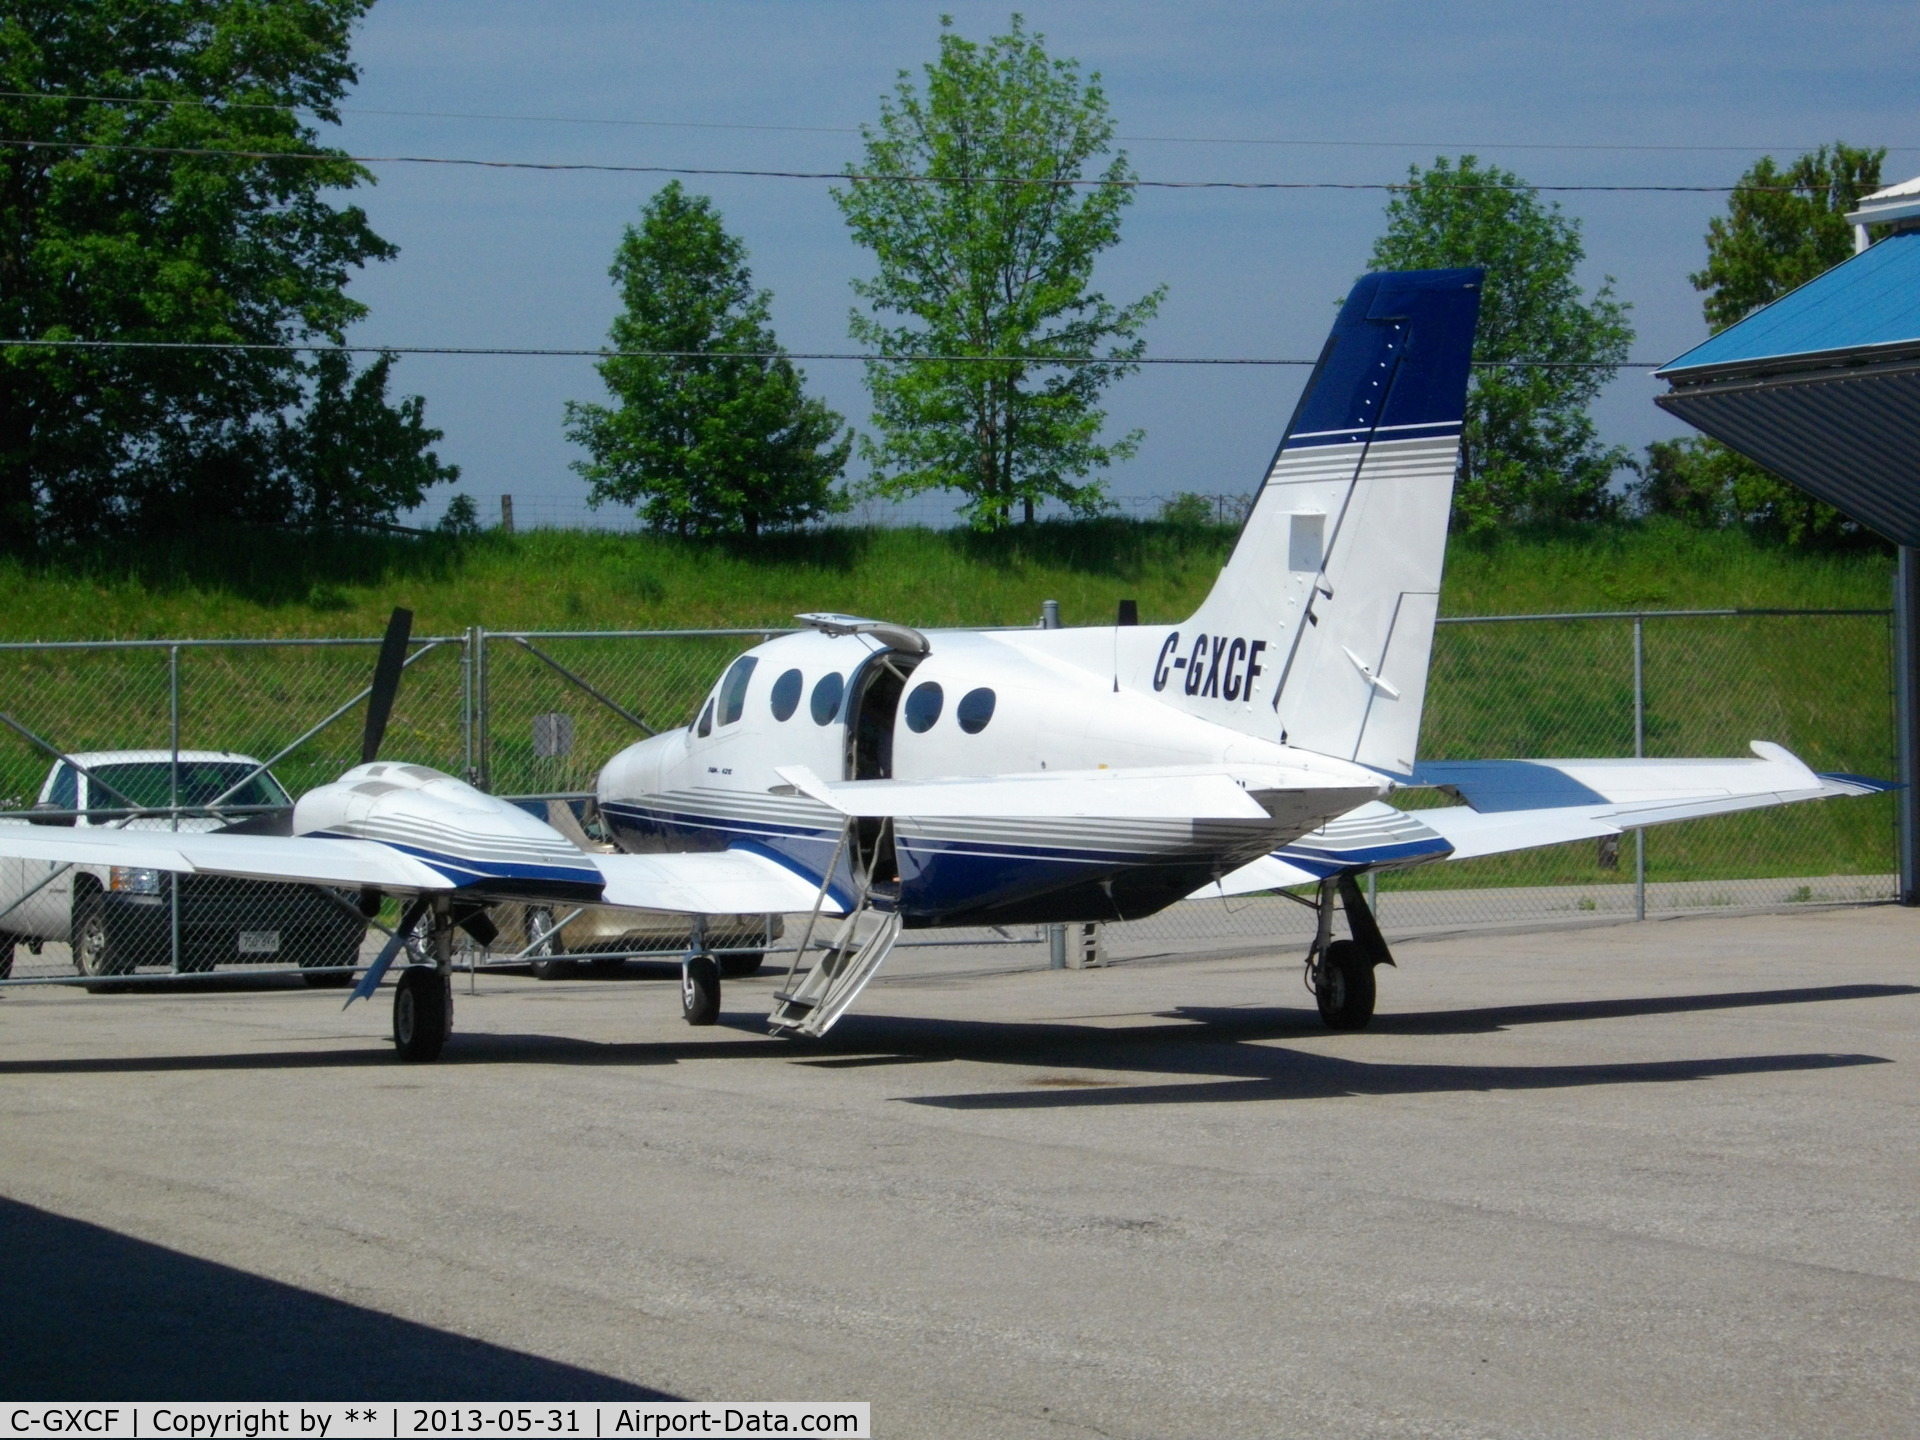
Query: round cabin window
x,y
785,695
923,706
826,698
975,710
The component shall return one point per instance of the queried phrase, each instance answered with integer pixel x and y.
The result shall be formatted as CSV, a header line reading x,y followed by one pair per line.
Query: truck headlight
x,y
134,880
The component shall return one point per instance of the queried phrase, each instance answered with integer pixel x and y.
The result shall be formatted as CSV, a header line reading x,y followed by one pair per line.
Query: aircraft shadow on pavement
x,y
1221,1045
1223,1054
90,1314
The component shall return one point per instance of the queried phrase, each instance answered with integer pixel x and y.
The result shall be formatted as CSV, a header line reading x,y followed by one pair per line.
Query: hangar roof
x,y
1823,387
1867,308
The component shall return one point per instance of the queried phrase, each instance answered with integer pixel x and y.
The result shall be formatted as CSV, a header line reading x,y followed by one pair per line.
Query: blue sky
x,y
1561,94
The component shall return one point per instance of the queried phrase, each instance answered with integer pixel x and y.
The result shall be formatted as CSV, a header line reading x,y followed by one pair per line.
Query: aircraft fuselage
x,y
980,704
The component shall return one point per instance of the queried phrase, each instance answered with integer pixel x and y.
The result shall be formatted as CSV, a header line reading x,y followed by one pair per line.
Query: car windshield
x,y
145,783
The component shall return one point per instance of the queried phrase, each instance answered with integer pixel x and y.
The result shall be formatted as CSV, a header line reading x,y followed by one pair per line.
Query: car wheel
x,y
93,954
320,979
544,938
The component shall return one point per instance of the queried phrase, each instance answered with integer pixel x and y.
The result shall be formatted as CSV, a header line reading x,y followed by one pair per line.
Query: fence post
x,y
466,707
1906,712
482,730
173,793
1639,752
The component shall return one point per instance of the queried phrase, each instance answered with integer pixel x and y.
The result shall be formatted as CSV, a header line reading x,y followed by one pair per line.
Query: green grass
x,y
1816,685
287,585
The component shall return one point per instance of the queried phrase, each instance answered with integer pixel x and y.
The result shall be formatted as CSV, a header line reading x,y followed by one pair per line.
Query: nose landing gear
x,y
423,998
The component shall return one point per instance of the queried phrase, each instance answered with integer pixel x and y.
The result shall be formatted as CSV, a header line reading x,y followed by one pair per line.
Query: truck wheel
x,y
92,954
319,979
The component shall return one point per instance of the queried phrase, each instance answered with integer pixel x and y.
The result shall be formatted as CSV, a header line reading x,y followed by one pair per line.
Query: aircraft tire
x,y
422,1013
700,990
734,967
1345,991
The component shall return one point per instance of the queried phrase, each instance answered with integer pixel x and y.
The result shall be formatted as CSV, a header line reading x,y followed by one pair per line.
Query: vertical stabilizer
x,y
1319,628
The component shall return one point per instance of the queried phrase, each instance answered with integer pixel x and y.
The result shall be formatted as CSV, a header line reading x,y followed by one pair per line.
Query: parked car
x,y
119,918
601,937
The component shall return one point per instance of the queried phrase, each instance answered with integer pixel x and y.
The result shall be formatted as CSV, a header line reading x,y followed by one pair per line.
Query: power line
x,y
514,350
1289,141
856,176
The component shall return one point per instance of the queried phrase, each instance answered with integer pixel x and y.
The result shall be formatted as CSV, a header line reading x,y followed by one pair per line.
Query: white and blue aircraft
x,y
880,778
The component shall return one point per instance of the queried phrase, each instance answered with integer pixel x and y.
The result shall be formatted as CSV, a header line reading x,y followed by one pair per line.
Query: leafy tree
x,y
1706,483
1188,508
992,255
352,454
1782,228
713,432
1542,352
146,243
462,520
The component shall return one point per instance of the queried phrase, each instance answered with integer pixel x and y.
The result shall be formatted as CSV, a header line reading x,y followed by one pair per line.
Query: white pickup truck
x,y
118,918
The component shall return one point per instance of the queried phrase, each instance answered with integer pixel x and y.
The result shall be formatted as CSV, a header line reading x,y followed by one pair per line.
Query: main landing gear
x,y
1340,972
423,998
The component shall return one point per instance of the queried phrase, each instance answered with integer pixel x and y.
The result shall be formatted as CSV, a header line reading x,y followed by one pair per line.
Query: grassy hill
x,y
285,585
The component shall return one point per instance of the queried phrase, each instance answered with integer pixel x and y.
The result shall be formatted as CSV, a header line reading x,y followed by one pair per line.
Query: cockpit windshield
x,y
733,689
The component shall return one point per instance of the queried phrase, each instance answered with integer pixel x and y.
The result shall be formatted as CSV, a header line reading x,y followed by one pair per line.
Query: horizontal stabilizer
x,y
1269,872
1522,804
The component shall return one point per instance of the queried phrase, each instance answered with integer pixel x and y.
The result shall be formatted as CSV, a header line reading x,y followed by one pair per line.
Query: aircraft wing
x,y
723,883
299,858
1517,804
1520,804
714,882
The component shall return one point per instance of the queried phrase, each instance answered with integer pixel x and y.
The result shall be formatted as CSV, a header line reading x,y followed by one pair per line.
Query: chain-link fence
x,y
91,733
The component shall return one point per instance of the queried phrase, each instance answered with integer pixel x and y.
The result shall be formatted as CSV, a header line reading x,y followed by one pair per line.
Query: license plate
x,y
259,942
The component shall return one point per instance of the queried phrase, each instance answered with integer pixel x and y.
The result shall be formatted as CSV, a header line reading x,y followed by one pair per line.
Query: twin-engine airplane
x,y
885,778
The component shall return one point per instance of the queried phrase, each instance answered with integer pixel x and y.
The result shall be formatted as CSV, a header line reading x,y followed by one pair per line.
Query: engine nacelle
x,y
476,840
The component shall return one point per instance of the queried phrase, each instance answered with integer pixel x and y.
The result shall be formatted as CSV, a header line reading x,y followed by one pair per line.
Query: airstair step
x,y
782,998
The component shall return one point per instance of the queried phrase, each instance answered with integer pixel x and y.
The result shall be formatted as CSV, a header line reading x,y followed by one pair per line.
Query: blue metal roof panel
x,y
1871,300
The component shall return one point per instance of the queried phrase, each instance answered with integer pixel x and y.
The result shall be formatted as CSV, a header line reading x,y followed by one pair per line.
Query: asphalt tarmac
x,y
1648,1180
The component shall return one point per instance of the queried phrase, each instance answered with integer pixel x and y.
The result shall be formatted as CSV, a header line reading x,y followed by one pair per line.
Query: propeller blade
x,y
386,683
